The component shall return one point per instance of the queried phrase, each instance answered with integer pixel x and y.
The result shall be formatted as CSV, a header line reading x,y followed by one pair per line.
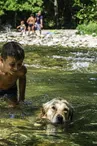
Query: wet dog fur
x,y
57,111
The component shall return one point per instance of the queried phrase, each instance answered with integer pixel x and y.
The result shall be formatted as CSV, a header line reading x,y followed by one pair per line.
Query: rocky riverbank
x,y
65,38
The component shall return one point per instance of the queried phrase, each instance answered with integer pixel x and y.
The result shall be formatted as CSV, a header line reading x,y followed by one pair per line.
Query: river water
x,y
69,73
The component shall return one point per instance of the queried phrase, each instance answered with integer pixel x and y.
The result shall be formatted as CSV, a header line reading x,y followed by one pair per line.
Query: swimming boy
x,y
11,70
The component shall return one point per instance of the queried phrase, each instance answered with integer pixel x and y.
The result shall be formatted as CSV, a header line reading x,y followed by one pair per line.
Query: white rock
x,y
66,38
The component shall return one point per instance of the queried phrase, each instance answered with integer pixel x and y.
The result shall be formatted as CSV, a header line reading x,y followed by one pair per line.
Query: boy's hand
x,y
2,73
25,102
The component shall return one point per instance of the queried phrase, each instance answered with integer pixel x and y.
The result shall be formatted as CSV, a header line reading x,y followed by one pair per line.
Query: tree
x,y
15,6
1,6
56,12
60,12
87,10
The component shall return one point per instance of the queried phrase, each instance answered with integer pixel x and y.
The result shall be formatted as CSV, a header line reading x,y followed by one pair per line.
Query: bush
x,y
90,28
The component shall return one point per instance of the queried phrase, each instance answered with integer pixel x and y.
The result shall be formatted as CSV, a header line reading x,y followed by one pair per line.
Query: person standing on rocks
x,y
39,22
31,23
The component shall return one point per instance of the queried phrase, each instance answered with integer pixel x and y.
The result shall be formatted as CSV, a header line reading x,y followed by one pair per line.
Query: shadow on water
x,y
54,72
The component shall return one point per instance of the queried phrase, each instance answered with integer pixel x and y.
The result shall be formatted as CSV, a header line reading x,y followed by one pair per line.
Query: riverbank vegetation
x,y
87,28
57,14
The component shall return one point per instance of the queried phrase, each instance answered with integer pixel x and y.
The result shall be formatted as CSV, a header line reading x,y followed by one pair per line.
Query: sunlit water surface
x,y
69,73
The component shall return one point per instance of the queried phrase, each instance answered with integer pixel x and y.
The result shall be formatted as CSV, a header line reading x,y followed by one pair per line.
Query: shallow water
x,y
69,73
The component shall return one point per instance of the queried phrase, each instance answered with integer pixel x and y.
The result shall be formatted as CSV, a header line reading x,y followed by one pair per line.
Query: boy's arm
x,y
28,20
18,26
22,87
25,27
41,22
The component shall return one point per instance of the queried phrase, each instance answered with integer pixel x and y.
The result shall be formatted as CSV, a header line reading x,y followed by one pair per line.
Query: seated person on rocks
x,y
22,27
11,71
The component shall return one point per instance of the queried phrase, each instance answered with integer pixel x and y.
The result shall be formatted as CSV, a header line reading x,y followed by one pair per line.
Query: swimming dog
x,y
57,111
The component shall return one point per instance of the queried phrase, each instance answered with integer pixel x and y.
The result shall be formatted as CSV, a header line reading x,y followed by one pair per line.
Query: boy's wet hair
x,y
12,49
32,14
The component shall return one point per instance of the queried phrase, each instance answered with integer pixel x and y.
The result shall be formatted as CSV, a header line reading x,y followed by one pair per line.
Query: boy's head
x,y
12,49
39,13
12,56
31,15
22,22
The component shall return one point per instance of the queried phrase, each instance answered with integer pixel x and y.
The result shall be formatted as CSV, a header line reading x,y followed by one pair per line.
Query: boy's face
x,y
11,65
39,13
22,22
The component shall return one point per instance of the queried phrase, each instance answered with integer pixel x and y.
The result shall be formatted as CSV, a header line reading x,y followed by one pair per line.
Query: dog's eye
x,y
53,107
65,110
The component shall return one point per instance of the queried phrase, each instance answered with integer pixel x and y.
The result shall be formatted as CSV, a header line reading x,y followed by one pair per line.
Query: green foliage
x,y
87,10
90,28
51,23
31,5
69,13
10,5
20,5
1,5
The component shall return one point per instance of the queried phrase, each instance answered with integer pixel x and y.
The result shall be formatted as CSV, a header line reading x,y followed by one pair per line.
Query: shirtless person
x,y
11,70
31,23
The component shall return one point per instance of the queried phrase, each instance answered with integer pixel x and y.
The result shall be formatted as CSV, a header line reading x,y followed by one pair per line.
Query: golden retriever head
x,y
57,111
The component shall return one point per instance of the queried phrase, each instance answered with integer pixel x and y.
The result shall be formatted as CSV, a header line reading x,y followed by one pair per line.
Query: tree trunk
x,y
15,19
56,12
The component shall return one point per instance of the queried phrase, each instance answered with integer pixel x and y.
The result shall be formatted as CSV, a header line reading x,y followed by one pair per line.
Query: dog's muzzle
x,y
59,119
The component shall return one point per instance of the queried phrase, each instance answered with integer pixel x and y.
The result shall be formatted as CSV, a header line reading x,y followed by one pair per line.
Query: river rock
x,y
65,38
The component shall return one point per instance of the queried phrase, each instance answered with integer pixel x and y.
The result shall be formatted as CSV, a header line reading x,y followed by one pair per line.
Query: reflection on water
x,y
68,73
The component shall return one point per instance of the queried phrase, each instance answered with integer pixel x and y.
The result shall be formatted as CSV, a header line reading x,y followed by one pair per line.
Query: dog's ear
x,y
70,115
42,114
43,111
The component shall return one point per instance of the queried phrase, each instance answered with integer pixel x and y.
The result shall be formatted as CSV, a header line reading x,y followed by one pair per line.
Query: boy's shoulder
x,y
1,72
22,71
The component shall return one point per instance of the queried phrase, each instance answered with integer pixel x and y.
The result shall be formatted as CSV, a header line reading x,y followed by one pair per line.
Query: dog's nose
x,y
59,119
